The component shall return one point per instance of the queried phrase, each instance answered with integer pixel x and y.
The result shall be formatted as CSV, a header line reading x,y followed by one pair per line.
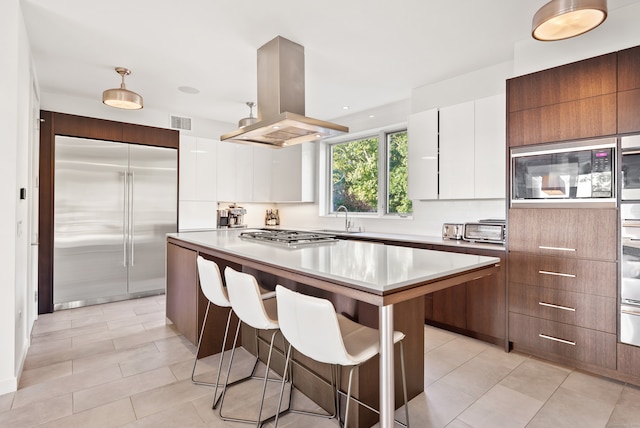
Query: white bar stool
x,y
257,312
312,326
214,290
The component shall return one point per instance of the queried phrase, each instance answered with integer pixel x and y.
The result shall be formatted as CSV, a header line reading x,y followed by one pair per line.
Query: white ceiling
x,y
358,53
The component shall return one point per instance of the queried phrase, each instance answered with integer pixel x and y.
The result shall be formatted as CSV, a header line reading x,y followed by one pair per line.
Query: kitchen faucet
x,y
346,217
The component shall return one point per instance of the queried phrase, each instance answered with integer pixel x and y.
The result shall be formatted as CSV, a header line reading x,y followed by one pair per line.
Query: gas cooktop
x,y
288,238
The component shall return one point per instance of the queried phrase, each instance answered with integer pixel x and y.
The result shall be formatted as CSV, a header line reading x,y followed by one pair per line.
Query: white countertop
x,y
425,239
372,266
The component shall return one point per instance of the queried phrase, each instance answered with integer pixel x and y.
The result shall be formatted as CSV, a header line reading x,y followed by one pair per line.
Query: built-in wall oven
x,y
577,173
630,168
630,274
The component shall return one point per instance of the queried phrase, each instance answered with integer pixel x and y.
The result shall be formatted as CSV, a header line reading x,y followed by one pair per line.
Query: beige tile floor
x,y
121,364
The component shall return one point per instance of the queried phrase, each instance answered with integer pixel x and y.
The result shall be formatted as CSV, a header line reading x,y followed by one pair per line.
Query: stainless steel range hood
x,y
281,117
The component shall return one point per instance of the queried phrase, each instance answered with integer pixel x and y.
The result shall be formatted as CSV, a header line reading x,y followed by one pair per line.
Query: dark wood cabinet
x,y
187,305
475,308
450,306
562,284
579,309
568,102
629,90
595,277
574,233
182,291
566,342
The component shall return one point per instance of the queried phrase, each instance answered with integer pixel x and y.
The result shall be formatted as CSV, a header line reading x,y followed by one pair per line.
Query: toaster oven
x,y
484,232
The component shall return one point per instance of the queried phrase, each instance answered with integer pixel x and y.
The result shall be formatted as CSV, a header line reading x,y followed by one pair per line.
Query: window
x,y
365,182
398,201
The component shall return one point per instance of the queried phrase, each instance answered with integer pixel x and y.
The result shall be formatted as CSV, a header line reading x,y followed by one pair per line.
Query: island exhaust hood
x,y
281,117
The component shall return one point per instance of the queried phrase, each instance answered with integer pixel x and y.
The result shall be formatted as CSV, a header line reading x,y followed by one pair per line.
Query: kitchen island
x,y
356,275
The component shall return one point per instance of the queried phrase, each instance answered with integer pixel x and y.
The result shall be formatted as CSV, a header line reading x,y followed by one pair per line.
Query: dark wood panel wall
x,y
593,98
53,124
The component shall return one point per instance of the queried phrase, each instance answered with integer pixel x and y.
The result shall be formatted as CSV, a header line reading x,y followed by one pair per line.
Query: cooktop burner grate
x,y
287,237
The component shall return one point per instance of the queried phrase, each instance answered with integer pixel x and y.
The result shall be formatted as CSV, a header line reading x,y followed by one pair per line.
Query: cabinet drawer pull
x,y
546,272
555,339
542,247
551,305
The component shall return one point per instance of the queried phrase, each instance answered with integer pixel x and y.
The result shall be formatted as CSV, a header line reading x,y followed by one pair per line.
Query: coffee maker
x,y
233,216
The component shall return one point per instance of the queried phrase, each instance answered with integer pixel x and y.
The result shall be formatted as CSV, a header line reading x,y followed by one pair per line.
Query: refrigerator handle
x,y
125,218
131,220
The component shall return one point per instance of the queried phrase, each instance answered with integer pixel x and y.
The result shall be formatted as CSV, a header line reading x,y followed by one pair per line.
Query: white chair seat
x,y
312,326
361,342
255,308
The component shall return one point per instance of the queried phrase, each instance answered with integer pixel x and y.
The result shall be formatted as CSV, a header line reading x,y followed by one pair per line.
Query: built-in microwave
x,y
577,173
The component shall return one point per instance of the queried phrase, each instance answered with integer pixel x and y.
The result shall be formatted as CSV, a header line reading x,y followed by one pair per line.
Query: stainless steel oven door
x,y
630,324
630,239
630,168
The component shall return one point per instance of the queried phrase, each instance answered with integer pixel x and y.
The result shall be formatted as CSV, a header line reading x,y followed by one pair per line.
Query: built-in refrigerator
x,y
114,203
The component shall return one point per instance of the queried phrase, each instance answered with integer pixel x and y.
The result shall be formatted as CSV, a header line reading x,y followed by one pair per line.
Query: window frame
x,y
382,134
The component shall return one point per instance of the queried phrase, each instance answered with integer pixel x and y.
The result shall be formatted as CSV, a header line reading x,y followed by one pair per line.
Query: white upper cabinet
x,y
490,147
423,155
472,149
457,153
198,187
235,172
188,168
293,173
262,167
247,173
197,169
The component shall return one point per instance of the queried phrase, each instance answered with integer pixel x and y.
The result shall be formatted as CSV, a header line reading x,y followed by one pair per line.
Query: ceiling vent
x,y
181,123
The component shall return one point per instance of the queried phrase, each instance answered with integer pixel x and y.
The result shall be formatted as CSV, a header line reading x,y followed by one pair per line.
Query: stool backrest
x,y
246,300
311,325
211,282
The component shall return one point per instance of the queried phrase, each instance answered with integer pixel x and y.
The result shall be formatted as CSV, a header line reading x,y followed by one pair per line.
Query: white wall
x,y
15,86
148,116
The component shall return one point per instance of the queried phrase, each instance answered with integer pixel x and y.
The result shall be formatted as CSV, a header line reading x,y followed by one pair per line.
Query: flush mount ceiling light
x,y
122,97
562,19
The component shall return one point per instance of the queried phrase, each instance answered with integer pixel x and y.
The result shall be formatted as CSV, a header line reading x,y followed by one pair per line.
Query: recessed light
x,y
371,116
276,127
345,107
188,90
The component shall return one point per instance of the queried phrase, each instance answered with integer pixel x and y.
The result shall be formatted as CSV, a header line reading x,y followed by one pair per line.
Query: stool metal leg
x,y
266,379
224,342
404,383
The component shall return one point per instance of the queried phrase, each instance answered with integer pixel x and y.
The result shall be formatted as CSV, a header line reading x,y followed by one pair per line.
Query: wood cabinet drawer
x,y
578,80
576,275
579,233
549,337
582,310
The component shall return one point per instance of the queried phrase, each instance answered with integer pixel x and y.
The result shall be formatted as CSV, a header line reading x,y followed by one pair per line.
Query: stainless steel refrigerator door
x,y
154,203
89,221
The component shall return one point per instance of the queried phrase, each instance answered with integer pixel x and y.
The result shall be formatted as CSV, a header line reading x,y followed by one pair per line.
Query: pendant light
x,y
122,97
562,19
248,120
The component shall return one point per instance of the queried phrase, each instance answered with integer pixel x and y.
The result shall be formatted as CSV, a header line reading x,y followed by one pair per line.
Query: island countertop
x,y
366,266
370,272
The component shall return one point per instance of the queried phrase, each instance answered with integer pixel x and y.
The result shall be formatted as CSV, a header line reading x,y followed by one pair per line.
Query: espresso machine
x,y
233,216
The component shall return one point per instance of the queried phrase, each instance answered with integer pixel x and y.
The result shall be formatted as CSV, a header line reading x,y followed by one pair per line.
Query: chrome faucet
x,y
346,216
